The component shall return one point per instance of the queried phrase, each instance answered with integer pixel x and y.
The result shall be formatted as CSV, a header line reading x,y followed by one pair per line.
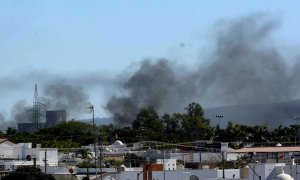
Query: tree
x,y
83,152
194,117
148,122
127,134
171,127
133,160
28,173
194,110
282,134
193,121
86,164
10,131
105,132
75,131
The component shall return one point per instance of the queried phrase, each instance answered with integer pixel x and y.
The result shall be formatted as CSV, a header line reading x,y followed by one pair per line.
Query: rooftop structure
x,y
55,117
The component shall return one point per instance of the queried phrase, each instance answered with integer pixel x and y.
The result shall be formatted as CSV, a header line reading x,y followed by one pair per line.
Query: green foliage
x,y
148,123
194,117
128,134
66,135
114,163
134,160
105,132
171,127
83,152
149,126
60,144
86,164
28,173
10,131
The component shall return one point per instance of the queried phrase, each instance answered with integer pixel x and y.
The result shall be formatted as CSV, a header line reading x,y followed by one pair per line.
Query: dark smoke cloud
x,y
63,93
21,112
3,123
145,88
245,67
64,96
58,95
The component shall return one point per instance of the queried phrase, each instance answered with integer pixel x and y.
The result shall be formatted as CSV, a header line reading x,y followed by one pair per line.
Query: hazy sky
x,y
48,40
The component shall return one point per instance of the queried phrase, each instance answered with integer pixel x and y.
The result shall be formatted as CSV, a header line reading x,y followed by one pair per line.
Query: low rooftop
x,y
268,149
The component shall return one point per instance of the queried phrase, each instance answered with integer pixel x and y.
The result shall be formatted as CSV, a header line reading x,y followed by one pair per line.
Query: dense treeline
x,y
149,126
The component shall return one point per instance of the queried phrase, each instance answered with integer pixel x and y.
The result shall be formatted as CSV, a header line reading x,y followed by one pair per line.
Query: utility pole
x,y
163,150
223,162
91,109
100,149
45,161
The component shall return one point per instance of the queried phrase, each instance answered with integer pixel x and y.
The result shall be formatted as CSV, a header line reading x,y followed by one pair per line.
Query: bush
x,y
28,173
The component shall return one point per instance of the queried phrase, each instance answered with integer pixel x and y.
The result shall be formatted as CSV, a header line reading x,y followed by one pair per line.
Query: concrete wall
x,y
19,152
182,174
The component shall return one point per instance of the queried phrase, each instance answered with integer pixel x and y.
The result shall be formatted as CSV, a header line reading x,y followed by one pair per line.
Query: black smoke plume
x,y
245,67
59,95
63,96
145,88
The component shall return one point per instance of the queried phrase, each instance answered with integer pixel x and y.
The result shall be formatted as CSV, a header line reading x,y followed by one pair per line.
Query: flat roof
x,y
268,149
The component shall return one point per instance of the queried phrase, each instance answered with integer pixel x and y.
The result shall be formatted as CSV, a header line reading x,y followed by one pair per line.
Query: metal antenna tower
x,y
37,111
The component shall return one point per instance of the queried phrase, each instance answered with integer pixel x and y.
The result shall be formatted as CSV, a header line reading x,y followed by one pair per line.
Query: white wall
x,y
269,170
183,174
18,152
169,164
52,156
266,171
202,174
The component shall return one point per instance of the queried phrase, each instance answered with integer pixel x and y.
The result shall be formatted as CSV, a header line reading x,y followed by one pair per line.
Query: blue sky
x,y
109,35
78,37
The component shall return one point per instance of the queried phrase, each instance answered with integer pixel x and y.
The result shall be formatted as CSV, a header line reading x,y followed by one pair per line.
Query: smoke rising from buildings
x,y
63,96
56,91
245,67
3,123
145,88
21,112
56,96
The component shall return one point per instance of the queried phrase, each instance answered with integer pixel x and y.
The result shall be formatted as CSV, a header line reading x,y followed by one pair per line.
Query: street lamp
x,y
296,118
219,116
163,149
91,109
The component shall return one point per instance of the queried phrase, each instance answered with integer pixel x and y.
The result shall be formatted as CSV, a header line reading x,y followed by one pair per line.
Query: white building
x,y
12,155
116,148
270,171
180,175
169,164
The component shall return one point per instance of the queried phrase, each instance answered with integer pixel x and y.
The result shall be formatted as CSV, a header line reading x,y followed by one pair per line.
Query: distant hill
x,y
98,121
272,115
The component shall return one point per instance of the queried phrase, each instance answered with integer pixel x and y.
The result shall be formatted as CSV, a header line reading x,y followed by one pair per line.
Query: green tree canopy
x,y
148,120
28,173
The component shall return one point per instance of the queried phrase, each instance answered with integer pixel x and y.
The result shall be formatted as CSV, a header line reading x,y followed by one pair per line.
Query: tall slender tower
x,y
37,111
